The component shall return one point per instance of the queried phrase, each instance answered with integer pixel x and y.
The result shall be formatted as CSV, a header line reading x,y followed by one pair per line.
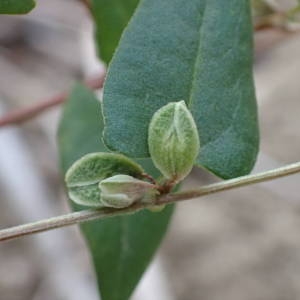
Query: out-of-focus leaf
x,y
111,17
121,247
16,6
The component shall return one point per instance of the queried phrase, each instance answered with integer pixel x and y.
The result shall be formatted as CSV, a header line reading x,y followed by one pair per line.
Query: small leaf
x,y
84,176
193,50
111,17
122,190
88,195
121,247
173,140
16,6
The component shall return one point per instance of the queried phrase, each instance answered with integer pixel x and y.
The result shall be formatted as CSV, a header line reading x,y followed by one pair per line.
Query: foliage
x,y
195,52
200,53
121,247
110,16
84,176
16,6
173,141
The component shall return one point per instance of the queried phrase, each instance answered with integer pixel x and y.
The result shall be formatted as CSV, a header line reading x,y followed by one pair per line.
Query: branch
x,y
87,4
92,214
276,21
22,115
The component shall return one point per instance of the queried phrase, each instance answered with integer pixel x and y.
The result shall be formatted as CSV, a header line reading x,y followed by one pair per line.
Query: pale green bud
x,y
121,191
173,140
83,177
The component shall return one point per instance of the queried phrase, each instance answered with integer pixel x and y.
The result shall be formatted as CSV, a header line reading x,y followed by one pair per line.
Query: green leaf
x,y
199,51
111,17
121,247
83,177
16,6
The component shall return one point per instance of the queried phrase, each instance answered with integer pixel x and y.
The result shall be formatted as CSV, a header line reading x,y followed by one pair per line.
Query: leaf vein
x,y
194,73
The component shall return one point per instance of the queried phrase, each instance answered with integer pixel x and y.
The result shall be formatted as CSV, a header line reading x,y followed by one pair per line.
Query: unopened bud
x,y
173,140
83,178
121,191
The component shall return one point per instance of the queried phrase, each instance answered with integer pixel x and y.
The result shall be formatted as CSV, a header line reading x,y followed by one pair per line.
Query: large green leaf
x,y
16,6
121,247
199,51
111,17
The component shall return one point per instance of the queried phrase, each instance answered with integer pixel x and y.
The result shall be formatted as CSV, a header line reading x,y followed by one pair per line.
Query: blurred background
x,y
237,245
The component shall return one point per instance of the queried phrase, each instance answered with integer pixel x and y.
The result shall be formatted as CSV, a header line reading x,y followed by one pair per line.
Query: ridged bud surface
x,y
173,140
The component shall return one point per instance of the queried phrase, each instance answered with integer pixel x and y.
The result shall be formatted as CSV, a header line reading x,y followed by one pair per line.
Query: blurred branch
x,y
275,20
24,114
92,214
87,4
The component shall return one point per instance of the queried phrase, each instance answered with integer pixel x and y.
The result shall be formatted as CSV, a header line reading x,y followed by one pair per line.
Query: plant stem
x,y
24,114
231,184
92,214
63,221
87,4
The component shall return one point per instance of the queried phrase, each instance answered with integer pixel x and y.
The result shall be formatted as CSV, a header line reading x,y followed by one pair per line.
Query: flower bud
x,y
120,191
173,140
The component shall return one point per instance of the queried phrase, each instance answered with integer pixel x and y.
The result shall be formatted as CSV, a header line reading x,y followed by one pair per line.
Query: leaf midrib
x,y
83,183
196,62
